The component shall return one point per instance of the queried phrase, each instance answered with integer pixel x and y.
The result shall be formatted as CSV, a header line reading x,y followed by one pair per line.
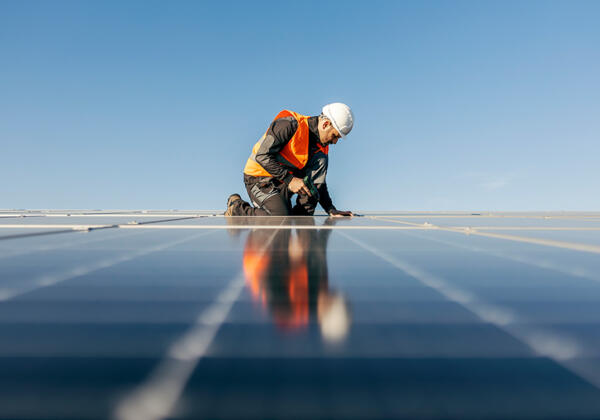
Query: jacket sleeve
x,y
278,135
324,198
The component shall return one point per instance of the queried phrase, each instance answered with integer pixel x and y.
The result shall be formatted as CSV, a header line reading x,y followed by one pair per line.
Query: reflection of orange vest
x,y
255,269
295,152
256,266
298,292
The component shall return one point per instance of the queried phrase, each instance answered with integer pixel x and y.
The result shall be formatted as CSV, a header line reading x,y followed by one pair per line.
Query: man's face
x,y
327,133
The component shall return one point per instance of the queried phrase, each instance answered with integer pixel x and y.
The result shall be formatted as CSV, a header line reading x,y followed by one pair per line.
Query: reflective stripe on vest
x,y
295,152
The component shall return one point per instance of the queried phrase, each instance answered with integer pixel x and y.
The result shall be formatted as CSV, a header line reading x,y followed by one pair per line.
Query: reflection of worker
x,y
294,149
294,285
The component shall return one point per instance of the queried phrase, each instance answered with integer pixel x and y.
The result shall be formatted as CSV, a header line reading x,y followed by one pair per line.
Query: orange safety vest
x,y
295,152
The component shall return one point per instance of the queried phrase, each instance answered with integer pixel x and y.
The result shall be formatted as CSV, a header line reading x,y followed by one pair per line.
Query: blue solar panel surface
x,y
160,315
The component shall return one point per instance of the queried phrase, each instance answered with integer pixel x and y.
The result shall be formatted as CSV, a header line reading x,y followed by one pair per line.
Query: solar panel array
x,y
175,314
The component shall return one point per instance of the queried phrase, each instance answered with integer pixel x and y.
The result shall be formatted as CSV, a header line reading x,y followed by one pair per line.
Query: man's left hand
x,y
340,213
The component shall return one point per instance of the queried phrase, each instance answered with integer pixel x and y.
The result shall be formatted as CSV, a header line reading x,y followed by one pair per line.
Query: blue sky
x,y
459,105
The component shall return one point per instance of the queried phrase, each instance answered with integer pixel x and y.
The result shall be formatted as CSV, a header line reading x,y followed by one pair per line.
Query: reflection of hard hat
x,y
341,117
334,317
295,249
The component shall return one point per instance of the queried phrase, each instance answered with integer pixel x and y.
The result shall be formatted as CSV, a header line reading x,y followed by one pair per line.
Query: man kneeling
x,y
291,158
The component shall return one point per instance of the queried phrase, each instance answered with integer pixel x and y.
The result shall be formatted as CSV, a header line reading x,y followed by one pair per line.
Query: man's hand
x,y
340,213
296,185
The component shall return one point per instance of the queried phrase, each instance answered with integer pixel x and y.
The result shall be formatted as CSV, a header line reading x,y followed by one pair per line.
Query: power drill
x,y
311,187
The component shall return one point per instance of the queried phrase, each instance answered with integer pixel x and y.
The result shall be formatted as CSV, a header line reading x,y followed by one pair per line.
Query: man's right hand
x,y
296,185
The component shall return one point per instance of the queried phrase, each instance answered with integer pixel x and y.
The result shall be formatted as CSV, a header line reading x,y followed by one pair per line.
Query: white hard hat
x,y
341,117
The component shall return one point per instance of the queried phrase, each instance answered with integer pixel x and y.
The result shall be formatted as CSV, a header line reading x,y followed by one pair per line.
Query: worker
x,y
291,158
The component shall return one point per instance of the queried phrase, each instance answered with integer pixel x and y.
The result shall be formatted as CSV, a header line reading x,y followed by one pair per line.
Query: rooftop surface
x,y
188,314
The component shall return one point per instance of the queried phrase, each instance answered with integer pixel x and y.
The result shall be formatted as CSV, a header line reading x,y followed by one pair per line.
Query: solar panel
x,y
184,314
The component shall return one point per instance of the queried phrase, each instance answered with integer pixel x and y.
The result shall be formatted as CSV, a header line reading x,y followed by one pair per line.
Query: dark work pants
x,y
270,197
